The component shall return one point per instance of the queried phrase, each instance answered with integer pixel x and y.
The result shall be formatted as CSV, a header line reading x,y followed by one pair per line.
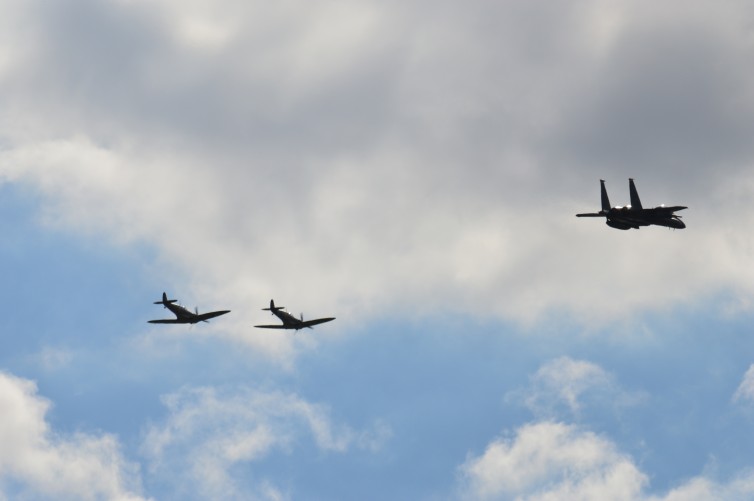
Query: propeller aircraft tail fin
x,y
273,307
165,300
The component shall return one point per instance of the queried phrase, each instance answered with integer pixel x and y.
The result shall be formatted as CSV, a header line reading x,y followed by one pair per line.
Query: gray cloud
x,y
668,102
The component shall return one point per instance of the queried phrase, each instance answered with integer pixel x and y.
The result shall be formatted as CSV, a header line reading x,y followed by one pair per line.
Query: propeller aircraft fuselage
x,y
182,315
634,215
289,321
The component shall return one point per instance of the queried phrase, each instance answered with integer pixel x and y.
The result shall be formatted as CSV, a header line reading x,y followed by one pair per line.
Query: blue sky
x,y
413,169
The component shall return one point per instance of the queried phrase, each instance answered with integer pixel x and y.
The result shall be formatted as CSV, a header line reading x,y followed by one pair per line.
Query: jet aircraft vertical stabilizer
x,y
605,199
635,201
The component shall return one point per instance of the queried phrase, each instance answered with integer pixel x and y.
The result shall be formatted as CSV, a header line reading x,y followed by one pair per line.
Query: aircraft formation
x,y
185,316
623,218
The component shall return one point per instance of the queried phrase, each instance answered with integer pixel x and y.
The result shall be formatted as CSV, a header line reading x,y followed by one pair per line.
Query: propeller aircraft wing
x,y
203,317
310,323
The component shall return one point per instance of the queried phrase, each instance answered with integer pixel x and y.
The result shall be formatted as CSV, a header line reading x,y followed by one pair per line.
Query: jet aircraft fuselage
x,y
634,215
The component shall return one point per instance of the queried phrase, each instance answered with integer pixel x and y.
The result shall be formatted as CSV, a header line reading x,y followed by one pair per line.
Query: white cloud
x,y
211,432
44,463
555,461
703,489
51,358
571,384
552,461
745,390
567,379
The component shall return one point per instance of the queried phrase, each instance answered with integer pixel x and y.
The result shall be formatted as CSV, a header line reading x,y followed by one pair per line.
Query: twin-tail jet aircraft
x,y
184,316
634,215
289,321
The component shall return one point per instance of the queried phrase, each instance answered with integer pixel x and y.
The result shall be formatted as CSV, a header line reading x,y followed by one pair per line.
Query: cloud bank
x,y
361,158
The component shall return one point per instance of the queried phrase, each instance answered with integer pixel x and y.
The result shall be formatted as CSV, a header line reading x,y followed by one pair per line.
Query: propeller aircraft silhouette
x,y
289,321
184,316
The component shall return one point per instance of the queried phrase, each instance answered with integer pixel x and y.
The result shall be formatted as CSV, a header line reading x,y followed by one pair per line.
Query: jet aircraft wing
x,y
674,208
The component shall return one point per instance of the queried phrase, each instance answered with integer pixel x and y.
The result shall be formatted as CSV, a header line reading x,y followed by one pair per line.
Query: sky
x,y
412,168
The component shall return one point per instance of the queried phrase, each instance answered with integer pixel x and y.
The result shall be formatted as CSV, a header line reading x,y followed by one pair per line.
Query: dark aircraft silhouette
x,y
634,215
289,321
184,316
